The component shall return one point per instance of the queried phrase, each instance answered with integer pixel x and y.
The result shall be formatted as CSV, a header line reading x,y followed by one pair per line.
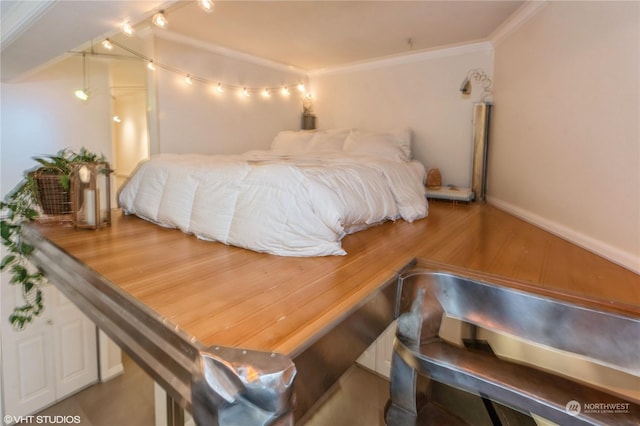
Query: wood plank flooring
x,y
126,400
358,399
234,297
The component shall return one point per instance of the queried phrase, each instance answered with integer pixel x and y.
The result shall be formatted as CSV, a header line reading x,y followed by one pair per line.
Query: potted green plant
x,y
43,190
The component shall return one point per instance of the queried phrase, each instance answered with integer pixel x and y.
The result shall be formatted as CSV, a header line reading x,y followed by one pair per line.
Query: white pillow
x,y
291,141
328,141
395,145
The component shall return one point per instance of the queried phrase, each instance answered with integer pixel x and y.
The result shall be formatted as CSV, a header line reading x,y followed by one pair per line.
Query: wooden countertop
x,y
229,296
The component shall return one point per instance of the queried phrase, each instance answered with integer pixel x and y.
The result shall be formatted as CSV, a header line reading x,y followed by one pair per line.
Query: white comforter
x,y
280,204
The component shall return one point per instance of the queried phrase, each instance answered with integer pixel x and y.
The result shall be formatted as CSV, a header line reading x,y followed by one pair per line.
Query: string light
x,y
219,87
160,20
116,119
127,29
107,44
206,5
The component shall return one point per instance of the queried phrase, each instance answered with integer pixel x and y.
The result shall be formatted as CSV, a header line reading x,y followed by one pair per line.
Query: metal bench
x,y
609,337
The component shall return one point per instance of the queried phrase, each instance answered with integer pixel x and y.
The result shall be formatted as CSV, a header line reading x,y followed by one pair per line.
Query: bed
x,y
300,198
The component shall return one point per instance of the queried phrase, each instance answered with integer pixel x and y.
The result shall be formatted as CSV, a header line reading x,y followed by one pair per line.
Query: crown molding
x,y
19,18
225,51
419,56
516,20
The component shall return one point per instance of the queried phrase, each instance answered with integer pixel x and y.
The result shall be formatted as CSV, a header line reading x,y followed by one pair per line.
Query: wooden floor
x,y
234,297
126,400
358,399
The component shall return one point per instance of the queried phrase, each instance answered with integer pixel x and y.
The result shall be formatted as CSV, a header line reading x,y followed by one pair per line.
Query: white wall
x,y
419,91
41,116
197,119
565,146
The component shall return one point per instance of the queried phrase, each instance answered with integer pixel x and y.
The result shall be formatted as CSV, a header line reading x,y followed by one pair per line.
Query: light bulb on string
x,y
285,90
206,5
107,44
160,20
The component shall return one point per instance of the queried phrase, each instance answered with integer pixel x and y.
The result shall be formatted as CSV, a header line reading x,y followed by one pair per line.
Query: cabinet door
x,y
28,378
54,356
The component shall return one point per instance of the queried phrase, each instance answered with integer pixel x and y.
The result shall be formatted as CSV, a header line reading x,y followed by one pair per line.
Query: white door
x,y
75,347
52,357
27,361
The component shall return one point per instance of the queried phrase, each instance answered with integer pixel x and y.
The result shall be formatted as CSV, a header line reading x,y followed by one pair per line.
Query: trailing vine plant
x,y
20,206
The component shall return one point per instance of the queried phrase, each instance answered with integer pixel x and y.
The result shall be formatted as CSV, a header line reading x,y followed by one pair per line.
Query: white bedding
x,y
289,205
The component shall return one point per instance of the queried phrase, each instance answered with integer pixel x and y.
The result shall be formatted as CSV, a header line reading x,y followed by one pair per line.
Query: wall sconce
x,y
479,76
91,195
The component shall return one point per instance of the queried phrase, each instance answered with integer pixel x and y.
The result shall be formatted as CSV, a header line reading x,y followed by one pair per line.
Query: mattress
x,y
284,204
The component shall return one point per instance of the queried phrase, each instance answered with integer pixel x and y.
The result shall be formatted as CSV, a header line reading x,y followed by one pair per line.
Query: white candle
x,y
90,206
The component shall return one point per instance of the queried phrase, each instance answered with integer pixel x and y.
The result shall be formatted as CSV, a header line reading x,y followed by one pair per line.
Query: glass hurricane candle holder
x,y
91,195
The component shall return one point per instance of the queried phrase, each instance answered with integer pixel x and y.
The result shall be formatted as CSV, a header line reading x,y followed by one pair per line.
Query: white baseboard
x,y
609,252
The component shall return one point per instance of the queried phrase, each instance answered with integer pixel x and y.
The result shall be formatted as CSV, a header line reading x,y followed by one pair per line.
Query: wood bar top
x,y
234,297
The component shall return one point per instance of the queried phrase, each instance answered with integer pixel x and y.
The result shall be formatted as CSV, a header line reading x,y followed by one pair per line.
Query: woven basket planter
x,y
52,196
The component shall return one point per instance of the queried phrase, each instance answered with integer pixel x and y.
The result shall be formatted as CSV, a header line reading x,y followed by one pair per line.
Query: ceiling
x,y
309,35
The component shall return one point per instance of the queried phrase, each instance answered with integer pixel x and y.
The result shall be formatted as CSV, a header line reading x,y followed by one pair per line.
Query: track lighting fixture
x,y
83,94
127,29
206,5
160,20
